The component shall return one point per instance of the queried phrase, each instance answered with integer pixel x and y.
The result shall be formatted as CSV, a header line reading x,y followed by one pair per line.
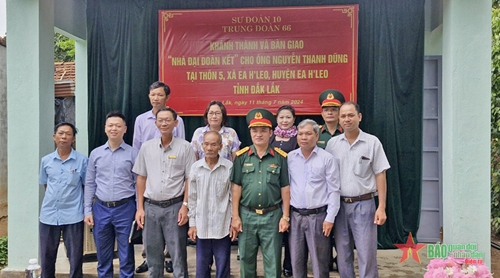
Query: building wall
x,y
434,41
3,140
433,37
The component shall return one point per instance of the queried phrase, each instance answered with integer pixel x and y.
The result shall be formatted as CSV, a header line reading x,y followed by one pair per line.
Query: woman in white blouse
x,y
215,119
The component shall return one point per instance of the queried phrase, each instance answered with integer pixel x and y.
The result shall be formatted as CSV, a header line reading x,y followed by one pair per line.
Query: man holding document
x,y
111,182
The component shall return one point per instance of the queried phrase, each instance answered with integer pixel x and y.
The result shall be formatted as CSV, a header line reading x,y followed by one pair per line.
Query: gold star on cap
x,y
260,117
331,97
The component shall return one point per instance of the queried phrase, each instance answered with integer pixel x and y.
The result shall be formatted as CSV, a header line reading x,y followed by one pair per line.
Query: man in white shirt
x,y
209,203
362,177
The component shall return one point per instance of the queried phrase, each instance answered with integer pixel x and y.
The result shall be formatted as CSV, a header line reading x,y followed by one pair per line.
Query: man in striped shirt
x,y
209,202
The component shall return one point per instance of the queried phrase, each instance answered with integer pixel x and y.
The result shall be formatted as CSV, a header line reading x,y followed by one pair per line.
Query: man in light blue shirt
x,y
111,182
62,173
314,201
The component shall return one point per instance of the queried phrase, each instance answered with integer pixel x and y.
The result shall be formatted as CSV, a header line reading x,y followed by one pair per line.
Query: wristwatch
x,y
185,204
286,218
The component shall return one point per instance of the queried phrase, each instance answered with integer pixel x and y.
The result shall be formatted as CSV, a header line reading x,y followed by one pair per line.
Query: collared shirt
x,y
63,200
359,163
261,179
230,141
145,129
166,169
325,135
109,174
314,182
209,198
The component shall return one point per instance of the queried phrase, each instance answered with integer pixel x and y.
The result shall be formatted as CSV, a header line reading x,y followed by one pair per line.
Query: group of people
x,y
295,185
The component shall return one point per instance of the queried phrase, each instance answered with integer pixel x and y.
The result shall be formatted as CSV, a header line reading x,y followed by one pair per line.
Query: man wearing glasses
x,y
145,129
162,167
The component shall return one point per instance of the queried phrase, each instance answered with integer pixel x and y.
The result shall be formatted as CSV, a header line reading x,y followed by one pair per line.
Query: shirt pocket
x,y
74,178
363,166
316,174
248,174
177,170
273,175
223,187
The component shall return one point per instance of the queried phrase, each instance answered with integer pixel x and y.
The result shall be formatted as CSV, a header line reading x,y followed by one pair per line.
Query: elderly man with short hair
x,y
314,203
209,202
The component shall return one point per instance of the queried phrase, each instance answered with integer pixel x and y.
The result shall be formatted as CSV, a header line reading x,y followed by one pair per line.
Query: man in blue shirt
x,y
111,181
62,173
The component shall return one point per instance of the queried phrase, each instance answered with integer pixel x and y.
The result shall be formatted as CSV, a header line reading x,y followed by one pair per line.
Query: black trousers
x,y
49,243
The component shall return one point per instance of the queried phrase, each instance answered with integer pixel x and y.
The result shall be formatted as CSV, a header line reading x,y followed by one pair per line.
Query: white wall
x,y
3,130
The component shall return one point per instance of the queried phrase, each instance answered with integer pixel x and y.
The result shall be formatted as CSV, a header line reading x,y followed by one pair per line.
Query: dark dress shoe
x,y
142,268
333,265
287,273
191,242
168,267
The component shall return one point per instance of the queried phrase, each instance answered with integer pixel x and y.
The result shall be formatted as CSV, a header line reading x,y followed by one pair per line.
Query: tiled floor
x,y
388,261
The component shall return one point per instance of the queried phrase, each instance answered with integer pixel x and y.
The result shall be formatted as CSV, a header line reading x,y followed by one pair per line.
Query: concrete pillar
x,y
30,100
3,141
81,96
466,123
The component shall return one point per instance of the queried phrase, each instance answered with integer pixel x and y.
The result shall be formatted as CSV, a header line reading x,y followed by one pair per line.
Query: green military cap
x,y
260,117
331,97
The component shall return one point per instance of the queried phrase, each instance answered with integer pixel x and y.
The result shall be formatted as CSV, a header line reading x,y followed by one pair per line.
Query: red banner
x,y
265,57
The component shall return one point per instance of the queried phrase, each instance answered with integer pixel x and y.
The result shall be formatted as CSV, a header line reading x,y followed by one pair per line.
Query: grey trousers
x,y
306,233
354,226
161,228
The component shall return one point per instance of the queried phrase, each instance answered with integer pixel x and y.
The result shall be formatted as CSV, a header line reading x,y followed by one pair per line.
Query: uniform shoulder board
x,y
280,151
242,151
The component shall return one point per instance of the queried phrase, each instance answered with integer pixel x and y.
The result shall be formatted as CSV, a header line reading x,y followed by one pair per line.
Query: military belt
x,y
261,211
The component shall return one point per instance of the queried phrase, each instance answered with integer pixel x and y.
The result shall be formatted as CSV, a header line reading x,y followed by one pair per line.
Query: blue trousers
x,y
111,224
206,249
50,236
354,226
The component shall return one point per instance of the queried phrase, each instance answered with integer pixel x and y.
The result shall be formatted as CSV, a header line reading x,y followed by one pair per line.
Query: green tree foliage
x,y
495,119
3,251
64,48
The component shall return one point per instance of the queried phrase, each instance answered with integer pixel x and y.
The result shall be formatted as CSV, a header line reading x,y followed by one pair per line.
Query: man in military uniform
x,y
330,101
261,197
